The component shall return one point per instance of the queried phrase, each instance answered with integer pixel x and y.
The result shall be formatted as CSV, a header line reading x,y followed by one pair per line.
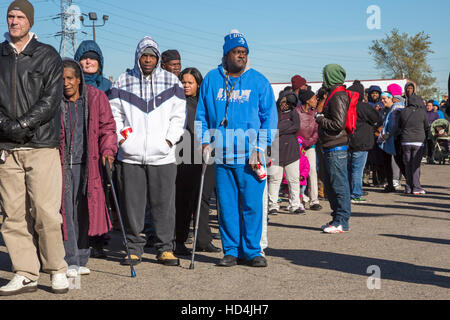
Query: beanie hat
x,y
333,74
170,55
305,95
232,40
91,55
394,89
24,6
151,51
297,82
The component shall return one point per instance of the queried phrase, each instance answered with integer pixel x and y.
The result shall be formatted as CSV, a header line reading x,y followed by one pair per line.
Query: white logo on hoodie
x,y
239,96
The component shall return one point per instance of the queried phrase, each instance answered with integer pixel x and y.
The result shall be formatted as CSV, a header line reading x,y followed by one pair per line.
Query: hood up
x,y
415,102
90,45
411,84
142,45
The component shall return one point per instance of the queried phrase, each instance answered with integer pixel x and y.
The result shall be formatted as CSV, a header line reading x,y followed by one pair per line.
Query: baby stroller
x,y
440,132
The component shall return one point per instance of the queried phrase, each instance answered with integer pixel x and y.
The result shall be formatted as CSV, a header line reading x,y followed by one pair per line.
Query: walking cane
x,y
116,204
207,156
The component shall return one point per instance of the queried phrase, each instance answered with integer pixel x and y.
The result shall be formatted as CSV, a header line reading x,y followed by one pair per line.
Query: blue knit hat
x,y
232,40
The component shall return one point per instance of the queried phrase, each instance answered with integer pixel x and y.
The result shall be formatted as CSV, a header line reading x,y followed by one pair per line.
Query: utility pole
x,y
93,17
69,24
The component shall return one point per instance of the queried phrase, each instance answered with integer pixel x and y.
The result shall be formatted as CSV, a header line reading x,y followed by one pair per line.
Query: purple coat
x,y
102,140
432,116
308,126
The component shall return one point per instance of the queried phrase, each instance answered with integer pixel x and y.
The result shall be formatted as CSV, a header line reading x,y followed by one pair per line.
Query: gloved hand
x,y
15,132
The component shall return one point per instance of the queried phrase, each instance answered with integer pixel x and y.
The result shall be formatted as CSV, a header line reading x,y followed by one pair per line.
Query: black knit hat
x,y
305,95
169,55
91,55
24,6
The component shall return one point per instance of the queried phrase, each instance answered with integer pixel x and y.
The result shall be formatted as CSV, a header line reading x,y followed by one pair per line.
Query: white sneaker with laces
x,y
333,229
60,284
83,271
18,284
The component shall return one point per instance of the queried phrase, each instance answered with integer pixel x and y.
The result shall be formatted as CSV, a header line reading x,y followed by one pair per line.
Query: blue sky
x,y
285,37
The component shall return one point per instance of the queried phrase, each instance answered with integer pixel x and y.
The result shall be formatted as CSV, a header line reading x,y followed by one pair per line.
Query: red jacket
x,y
102,140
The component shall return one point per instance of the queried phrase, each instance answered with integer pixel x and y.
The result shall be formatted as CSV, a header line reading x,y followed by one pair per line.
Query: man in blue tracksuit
x,y
237,117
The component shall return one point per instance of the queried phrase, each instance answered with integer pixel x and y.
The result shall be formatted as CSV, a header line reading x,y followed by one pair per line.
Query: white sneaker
x,y
60,284
333,229
18,284
72,271
83,271
326,225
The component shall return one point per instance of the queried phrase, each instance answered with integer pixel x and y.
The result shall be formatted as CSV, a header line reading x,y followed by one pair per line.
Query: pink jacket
x,y
304,169
102,140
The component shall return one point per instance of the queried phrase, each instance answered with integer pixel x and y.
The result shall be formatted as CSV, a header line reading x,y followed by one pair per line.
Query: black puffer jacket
x,y
332,125
31,89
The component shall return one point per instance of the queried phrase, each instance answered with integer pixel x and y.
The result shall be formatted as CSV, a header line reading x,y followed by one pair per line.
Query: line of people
x,y
61,121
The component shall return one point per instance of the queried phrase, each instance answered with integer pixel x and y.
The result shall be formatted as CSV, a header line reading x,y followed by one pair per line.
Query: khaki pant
x,y
30,198
275,176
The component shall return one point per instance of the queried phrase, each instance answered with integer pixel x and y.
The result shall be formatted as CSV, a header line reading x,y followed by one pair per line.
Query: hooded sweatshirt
x,y
371,101
413,122
422,105
252,110
96,80
155,109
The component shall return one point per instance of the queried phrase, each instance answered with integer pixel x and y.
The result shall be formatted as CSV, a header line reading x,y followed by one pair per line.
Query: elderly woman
x,y
88,134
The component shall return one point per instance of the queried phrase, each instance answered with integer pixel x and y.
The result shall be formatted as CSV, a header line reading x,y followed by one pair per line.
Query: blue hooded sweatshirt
x,y
97,80
251,109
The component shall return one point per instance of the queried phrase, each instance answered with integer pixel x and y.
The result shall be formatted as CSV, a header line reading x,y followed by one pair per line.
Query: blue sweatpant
x,y
240,195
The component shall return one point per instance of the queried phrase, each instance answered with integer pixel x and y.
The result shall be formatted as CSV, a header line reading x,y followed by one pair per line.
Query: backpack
x,y
350,123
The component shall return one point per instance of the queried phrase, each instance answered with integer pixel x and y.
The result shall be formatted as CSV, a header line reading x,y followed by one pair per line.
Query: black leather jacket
x,y
332,131
31,89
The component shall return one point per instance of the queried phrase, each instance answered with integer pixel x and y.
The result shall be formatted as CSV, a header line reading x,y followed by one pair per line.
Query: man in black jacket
x,y
30,169
334,140
360,142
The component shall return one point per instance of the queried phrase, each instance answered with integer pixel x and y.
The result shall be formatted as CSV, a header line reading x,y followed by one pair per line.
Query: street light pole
x,y
93,17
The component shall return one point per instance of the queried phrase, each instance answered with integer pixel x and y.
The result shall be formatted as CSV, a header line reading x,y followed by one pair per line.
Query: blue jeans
x,y
355,163
337,186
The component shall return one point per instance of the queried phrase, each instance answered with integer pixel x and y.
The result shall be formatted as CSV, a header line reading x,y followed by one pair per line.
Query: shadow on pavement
x,y
431,240
390,270
273,224
405,207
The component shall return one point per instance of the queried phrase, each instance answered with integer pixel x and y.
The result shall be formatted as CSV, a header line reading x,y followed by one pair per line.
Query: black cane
x,y
116,204
207,156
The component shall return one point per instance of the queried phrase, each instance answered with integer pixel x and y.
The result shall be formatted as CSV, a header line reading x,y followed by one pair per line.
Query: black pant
x,y
155,184
77,218
387,168
188,184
